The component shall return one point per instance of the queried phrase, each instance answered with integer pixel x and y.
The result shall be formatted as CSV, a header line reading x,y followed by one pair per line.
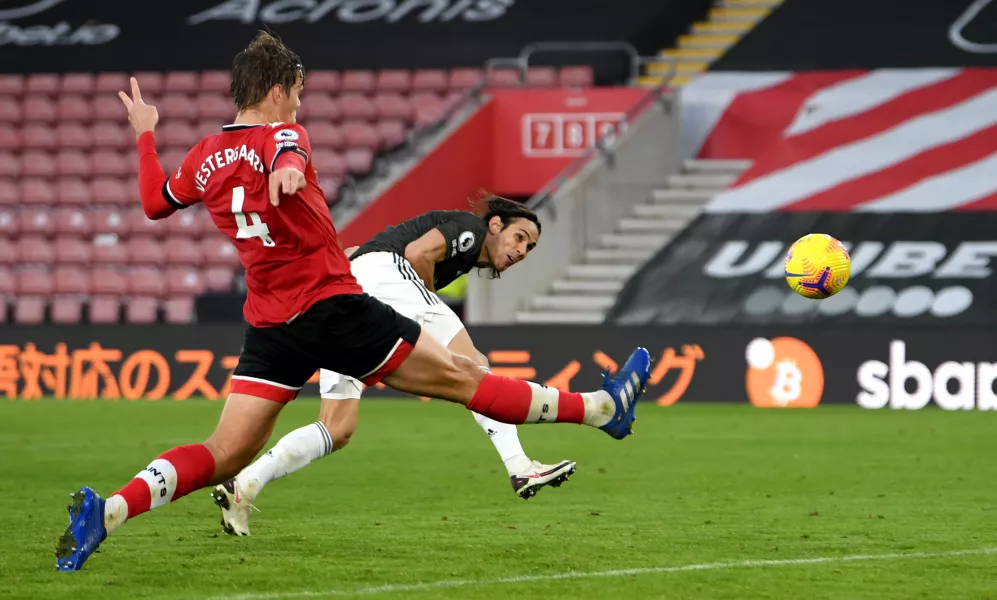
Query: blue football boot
x,y
85,532
626,388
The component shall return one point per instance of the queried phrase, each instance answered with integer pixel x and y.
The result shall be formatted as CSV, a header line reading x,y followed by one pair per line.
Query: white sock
x,y
505,437
293,452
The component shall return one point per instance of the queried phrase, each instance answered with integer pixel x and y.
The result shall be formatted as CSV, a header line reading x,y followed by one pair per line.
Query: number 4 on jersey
x,y
258,229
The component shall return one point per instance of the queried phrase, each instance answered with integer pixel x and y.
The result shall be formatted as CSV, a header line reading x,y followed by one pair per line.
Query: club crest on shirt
x,y
465,241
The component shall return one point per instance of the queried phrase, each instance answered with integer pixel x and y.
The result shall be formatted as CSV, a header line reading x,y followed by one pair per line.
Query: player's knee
x,y
466,370
340,428
233,455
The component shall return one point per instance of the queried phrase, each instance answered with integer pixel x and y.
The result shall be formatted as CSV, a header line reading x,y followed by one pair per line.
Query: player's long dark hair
x,y
487,205
266,62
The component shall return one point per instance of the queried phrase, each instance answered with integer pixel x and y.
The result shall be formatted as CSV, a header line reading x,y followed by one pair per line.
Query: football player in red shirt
x,y
304,308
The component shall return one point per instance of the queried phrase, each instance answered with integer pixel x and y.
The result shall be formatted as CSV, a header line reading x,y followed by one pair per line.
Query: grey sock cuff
x,y
328,438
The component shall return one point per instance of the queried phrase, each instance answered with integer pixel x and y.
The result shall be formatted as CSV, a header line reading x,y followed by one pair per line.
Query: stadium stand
x,y
76,245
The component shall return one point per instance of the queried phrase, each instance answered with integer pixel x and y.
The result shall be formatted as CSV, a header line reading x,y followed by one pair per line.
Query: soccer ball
x,y
817,266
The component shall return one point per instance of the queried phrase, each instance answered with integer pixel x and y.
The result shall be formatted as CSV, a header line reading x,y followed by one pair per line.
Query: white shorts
x,y
392,280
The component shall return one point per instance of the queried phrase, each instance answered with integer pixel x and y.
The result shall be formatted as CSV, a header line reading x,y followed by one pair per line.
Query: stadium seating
x,y
74,242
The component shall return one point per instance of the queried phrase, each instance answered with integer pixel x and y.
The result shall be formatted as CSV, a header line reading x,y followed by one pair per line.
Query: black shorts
x,y
356,335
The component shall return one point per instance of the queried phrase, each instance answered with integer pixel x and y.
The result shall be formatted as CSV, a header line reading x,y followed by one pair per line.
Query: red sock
x,y
516,401
172,476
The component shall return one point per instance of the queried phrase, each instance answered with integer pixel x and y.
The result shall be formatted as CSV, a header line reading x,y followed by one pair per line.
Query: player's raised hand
x,y
287,181
142,116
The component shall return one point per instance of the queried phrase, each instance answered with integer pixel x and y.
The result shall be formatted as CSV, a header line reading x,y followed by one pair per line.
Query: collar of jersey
x,y
237,127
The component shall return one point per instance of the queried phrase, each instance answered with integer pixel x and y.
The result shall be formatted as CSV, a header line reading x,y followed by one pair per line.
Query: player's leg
x,y
429,369
268,375
526,476
293,452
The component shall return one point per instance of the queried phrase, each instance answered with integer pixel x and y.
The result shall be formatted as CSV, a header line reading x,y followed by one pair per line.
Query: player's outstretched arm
x,y
424,253
151,177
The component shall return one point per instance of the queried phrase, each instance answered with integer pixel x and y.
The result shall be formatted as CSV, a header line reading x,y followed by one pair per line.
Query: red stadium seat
x,y
37,191
73,163
29,310
218,279
38,164
541,77
178,310
40,109
72,221
576,77
357,107
215,106
35,281
145,251
7,281
146,281
464,79
109,162
109,251
359,161
36,221
219,81
10,193
113,136
73,136
330,189
503,78
184,281
171,159
142,311
150,82
394,81
205,224
109,220
108,108
10,110
328,164
392,133
10,137
9,223
323,134
71,280
182,81
361,135
428,108
39,137
42,84
141,225
320,106
178,106
67,310
73,191
362,82
112,83
392,106
77,83
206,127
104,190
177,134
429,80
73,251
10,165
74,108
35,250
108,281
324,81
183,251
219,251
104,310
11,85
184,225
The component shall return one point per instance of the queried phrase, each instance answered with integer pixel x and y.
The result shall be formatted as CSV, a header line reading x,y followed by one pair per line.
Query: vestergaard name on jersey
x,y
224,158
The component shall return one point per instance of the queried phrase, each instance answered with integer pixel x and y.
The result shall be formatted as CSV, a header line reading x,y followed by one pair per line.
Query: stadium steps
x,y
706,41
589,289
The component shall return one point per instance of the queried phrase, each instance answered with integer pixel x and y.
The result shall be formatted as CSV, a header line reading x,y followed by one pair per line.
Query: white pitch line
x,y
714,566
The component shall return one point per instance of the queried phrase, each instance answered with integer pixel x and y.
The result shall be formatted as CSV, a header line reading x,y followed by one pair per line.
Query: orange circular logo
x,y
783,372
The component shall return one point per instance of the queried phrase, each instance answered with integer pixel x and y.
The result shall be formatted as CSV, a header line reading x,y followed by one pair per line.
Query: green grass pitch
x,y
845,503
